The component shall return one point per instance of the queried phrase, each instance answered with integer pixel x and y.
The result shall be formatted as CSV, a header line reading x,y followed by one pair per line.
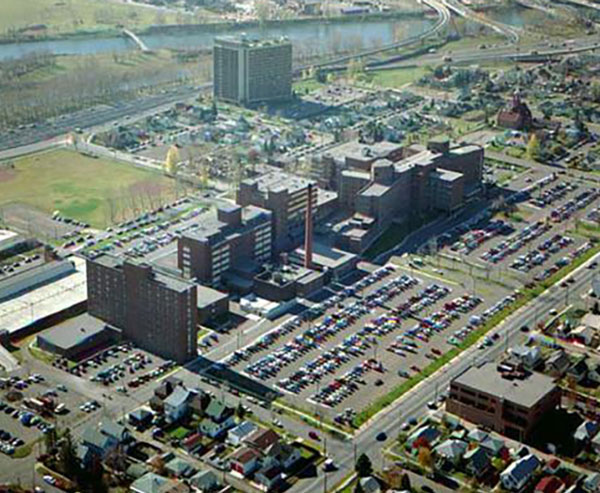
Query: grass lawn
x,y
69,16
81,187
389,239
179,433
397,77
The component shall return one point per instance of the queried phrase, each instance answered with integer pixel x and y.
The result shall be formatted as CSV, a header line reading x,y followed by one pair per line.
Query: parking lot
x,y
537,239
121,368
33,405
370,337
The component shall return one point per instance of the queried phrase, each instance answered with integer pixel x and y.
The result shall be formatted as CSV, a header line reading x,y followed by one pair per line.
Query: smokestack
x,y
308,239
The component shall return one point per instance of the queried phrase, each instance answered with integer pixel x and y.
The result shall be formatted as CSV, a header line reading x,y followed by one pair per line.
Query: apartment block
x,y
510,402
229,238
249,71
155,310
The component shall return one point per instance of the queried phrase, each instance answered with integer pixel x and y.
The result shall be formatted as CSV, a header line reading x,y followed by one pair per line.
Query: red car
x,y
314,435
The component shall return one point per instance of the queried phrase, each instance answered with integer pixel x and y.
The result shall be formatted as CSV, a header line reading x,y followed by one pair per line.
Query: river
x,y
320,35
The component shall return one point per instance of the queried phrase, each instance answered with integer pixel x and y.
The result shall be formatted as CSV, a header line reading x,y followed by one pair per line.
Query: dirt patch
x,y
31,222
7,174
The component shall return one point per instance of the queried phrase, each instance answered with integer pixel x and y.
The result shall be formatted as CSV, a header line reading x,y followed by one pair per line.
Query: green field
x,y
397,77
69,16
97,191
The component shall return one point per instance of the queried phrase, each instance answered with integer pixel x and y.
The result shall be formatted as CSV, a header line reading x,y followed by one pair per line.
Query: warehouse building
x,y
78,337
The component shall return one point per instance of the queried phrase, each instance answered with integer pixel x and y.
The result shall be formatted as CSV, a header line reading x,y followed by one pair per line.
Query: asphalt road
x,y
42,135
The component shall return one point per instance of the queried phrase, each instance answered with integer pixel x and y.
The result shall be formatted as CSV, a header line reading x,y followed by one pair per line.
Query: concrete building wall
x,y
247,71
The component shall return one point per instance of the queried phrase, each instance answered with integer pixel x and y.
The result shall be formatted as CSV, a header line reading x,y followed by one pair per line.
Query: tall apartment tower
x,y
155,310
248,71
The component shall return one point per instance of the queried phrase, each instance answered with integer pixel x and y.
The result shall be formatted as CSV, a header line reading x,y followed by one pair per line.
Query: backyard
x,y
96,191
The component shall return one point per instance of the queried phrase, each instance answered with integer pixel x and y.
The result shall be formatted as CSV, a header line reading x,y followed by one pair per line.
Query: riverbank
x,y
216,27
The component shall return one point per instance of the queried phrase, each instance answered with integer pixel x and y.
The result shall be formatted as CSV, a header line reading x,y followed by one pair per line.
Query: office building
x,y
224,240
286,196
154,309
510,402
249,71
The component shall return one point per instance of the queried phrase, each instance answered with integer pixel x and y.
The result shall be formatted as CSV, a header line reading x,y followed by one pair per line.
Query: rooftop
x,y
210,229
251,41
278,181
526,392
359,151
45,300
74,331
208,296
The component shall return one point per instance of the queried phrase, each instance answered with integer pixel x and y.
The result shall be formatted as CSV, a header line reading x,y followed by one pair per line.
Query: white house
x,y
518,474
530,357
236,435
176,405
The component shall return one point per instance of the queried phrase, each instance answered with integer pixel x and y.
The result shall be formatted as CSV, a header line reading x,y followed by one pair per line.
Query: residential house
x,y
154,483
477,462
95,445
586,431
495,447
115,430
204,481
370,485
176,404
236,435
140,418
280,454
558,363
268,477
477,435
98,442
219,412
166,387
425,435
578,371
549,484
244,461
262,439
592,483
179,468
211,429
192,442
529,356
451,451
199,402
519,473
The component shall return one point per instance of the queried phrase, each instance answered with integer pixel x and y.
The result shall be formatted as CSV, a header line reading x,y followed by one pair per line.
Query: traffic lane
x,y
85,121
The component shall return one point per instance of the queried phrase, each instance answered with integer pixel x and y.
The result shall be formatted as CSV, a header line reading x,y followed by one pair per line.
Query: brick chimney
x,y
308,233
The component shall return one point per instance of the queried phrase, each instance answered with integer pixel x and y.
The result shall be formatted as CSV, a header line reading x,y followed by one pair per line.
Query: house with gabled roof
x,y
519,473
